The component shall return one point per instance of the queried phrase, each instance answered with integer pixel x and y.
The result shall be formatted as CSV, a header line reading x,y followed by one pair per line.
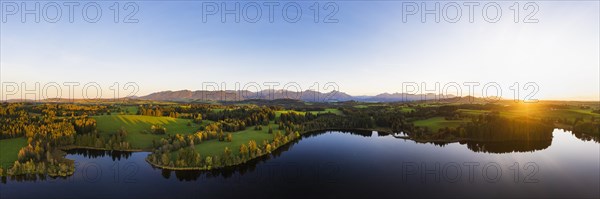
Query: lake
x,y
337,164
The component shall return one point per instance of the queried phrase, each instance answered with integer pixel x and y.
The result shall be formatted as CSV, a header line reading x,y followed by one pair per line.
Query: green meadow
x,y
138,127
327,110
9,148
216,147
406,109
436,123
129,110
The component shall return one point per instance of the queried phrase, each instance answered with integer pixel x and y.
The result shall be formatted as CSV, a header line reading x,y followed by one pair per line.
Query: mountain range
x,y
308,96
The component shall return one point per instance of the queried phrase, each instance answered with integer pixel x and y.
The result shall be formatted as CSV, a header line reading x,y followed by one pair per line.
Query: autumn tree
x,y
244,150
229,137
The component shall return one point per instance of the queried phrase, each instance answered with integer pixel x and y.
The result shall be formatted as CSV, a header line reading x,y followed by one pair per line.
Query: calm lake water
x,y
337,164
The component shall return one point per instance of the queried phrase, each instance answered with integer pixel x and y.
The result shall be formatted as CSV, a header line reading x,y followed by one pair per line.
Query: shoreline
x,y
75,147
379,130
387,131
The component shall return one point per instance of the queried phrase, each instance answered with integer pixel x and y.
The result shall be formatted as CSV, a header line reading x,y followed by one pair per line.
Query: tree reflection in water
x,y
485,145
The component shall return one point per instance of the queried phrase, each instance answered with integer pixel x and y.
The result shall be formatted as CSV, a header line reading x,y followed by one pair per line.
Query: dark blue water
x,y
343,165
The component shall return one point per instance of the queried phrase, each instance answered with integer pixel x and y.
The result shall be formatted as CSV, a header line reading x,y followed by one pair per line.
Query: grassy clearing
x,y
535,112
406,109
129,110
9,148
138,125
436,123
278,113
538,112
470,112
132,110
573,113
216,147
328,110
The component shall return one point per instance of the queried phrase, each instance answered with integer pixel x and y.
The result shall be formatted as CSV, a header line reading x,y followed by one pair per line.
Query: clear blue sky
x,y
369,51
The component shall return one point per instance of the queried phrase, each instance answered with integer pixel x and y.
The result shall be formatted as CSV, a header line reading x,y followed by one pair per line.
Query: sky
x,y
366,48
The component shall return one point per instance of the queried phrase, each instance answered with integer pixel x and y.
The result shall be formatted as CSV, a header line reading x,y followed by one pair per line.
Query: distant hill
x,y
307,96
187,95
261,96
400,97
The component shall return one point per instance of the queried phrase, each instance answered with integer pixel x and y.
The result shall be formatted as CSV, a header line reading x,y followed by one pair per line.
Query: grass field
x,y
216,147
328,110
406,109
130,110
9,148
278,113
537,112
570,113
534,112
136,125
436,123
470,112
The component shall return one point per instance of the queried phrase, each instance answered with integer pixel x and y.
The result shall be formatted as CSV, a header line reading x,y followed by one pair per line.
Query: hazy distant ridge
x,y
308,95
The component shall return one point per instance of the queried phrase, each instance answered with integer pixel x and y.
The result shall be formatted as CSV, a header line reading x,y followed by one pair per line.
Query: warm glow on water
x,y
351,165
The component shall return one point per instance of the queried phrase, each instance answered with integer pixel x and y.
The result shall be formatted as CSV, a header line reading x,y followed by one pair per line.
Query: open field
x,y
436,123
137,127
537,112
278,113
216,147
406,109
470,112
9,148
130,110
328,110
